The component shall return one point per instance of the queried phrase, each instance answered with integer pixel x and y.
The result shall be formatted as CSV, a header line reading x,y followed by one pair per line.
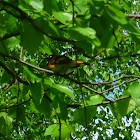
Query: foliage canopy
x,y
101,100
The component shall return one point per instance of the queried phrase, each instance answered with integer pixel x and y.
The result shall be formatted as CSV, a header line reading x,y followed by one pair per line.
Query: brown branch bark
x,y
133,16
28,18
59,128
10,35
113,101
76,81
18,104
13,74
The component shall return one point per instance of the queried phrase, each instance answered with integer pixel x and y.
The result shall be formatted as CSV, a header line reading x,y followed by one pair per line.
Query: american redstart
x,y
63,64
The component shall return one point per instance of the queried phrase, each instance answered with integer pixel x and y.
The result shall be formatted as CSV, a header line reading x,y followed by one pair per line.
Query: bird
x,y
63,64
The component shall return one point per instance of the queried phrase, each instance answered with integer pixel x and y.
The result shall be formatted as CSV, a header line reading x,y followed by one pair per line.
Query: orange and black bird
x,y
63,64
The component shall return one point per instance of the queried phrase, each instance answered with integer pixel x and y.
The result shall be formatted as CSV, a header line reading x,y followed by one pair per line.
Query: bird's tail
x,y
79,63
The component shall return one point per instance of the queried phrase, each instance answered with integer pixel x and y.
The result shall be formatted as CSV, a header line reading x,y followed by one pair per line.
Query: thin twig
x,y
107,58
128,81
10,35
8,11
136,64
18,104
73,12
99,93
98,53
17,115
8,86
20,57
21,53
133,16
59,128
13,74
30,65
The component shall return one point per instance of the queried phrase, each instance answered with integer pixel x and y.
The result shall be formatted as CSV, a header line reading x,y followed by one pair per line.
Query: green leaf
x,y
8,24
114,11
123,106
18,111
31,74
108,40
2,50
133,29
94,100
12,42
66,130
138,102
81,116
82,34
5,123
48,27
43,107
136,38
49,82
50,6
81,7
50,130
45,49
4,77
54,130
134,90
60,106
132,106
37,5
59,87
30,38
12,112
64,18
26,89
31,106
126,6
88,47
116,113
37,93
65,90
97,7
14,90
21,113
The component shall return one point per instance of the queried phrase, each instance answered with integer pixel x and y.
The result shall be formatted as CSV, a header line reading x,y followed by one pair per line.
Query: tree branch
x,y
116,100
66,76
10,35
73,11
18,104
133,16
101,93
28,18
12,74
76,81
59,128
